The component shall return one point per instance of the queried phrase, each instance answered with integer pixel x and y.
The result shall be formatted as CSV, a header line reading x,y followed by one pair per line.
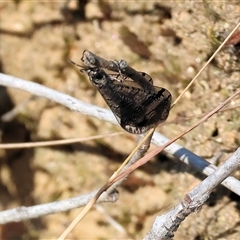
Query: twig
x,y
164,226
24,213
56,96
111,220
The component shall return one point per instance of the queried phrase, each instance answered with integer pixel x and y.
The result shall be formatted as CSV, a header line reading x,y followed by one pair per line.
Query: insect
x,y
137,109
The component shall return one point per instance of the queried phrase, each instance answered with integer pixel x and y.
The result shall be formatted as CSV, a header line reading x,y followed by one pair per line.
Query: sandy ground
x,y
168,40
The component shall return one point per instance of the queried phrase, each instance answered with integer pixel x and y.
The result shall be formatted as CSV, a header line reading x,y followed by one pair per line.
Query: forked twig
x,y
165,225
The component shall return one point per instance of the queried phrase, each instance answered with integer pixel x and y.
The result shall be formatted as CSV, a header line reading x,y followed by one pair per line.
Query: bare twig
x,y
24,213
55,96
111,220
164,226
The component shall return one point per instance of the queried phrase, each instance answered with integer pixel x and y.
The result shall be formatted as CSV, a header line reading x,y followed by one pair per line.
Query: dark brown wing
x,y
136,109
147,110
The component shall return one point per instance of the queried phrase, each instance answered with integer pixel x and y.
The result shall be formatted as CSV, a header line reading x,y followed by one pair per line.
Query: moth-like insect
x,y
135,102
136,109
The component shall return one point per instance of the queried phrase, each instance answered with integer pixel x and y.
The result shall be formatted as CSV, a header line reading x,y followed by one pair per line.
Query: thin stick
x,y
56,142
150,132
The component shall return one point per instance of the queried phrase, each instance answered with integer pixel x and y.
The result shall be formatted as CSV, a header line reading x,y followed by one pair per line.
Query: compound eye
x,y
97,76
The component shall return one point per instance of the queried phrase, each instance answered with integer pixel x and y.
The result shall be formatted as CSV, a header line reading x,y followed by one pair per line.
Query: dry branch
x,y
24,213
165,225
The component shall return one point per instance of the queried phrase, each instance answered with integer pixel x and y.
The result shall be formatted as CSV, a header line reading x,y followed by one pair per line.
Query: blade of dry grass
x,y
56,142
